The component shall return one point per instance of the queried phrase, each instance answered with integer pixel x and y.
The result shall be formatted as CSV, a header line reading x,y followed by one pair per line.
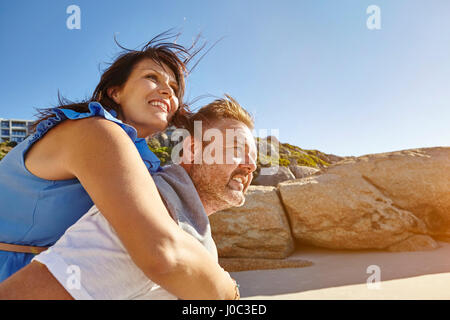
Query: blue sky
x,y
310,69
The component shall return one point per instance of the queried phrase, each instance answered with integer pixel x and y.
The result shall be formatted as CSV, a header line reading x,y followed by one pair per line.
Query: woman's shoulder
x,y
94,130
96,118
92,125
51,153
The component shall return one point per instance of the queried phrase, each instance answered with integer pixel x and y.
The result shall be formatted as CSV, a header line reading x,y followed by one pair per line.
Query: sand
x,y
339,274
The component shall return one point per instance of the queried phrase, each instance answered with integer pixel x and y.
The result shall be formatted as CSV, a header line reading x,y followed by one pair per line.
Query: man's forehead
x,y
235,131
238,136
230,124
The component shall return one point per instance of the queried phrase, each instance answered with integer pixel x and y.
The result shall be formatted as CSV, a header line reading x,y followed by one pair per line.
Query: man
x,y
90,262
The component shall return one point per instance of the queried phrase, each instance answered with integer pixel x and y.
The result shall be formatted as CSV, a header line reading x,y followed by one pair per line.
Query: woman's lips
x,y
164,106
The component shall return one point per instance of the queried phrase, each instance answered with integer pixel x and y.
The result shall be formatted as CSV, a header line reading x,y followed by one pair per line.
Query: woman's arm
x,y
109,167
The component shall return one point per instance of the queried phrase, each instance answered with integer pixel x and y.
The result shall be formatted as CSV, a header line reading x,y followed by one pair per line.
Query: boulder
x,y
246,264
302,171
418,242
164,139
272,176
374,201
258,229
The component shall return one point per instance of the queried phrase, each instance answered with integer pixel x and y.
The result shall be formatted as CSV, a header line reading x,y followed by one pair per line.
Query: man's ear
x,y
188,150
113,93
192,151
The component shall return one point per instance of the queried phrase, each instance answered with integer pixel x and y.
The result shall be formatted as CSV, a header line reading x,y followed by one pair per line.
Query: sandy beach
x,y
339,274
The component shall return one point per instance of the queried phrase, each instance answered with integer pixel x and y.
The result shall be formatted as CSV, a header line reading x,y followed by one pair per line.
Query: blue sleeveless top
x,y
37,212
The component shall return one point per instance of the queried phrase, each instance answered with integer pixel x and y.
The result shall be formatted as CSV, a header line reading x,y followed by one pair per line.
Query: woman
x,y
95,152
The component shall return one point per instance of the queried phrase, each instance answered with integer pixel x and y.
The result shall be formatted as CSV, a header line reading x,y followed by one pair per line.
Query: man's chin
x,y
236,199
240,204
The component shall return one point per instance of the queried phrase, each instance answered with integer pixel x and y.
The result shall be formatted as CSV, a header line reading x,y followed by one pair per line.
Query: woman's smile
x,y
160,104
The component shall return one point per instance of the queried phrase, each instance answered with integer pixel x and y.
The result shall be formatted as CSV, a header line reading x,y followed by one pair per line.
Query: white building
x,y
14,129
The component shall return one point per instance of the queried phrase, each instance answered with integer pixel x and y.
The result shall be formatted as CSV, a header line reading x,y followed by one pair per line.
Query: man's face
x,y
228,163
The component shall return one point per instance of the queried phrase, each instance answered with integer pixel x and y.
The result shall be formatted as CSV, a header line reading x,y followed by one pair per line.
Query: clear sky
x,y
312,70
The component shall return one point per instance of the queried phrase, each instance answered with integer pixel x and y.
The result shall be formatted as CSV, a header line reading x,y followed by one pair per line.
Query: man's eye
x,y
151,76
238,151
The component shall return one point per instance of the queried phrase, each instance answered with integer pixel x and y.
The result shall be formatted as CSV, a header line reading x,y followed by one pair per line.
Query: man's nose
x,y
248,165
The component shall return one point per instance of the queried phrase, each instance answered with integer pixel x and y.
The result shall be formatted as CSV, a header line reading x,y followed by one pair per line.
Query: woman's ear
x,y
113,93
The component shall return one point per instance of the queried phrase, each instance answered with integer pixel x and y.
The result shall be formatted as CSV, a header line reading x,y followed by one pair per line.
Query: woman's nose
x,y
166,91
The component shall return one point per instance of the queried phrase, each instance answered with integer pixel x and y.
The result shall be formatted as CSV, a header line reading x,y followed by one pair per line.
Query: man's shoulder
x,y
172,171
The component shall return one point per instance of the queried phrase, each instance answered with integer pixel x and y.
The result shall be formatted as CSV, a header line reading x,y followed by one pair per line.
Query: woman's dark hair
x,y
173,55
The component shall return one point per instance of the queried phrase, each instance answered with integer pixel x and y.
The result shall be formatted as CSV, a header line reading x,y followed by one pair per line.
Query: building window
x,y
19,133
5,132
16,139
19,124
5,124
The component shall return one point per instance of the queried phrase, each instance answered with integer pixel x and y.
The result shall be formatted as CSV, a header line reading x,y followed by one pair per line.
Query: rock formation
x,y
378,201
273,176
258,229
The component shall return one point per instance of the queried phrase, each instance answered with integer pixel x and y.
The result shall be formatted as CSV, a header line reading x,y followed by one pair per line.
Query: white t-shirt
x,y
90,261
91,244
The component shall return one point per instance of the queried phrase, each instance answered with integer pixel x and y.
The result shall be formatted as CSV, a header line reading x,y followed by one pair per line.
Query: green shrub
x,y
284,162
163,153
154,143
5,147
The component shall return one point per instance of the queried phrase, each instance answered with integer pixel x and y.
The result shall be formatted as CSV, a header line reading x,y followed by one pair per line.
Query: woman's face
x,y
148,98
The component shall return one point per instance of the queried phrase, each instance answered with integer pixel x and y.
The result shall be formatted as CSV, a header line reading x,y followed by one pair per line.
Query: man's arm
x,y
33,282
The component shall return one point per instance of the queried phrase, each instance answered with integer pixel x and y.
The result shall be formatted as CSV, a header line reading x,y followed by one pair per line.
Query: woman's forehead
x,y
160,67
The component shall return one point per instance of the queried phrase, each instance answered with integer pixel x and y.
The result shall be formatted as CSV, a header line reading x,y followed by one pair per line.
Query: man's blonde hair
x,y
225,108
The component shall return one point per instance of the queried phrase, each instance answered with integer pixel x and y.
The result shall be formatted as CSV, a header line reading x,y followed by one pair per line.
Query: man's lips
x,y
235,185
161,104
238,181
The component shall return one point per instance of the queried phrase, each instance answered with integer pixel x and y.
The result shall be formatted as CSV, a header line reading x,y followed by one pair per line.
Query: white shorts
x,y
90,262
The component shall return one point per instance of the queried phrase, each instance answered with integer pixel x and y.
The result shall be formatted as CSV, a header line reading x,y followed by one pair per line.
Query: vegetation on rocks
x,y
162,152
272,153
5,147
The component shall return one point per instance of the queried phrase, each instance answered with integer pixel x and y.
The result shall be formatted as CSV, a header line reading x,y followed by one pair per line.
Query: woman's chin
x,y
159,125
149,129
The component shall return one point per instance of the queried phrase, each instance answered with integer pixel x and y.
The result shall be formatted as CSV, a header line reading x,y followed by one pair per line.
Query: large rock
x,y
302,171
273,176
380,201
258,229
246,264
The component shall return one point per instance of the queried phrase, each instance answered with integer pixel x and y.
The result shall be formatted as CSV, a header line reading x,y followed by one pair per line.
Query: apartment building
x,y
14,129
